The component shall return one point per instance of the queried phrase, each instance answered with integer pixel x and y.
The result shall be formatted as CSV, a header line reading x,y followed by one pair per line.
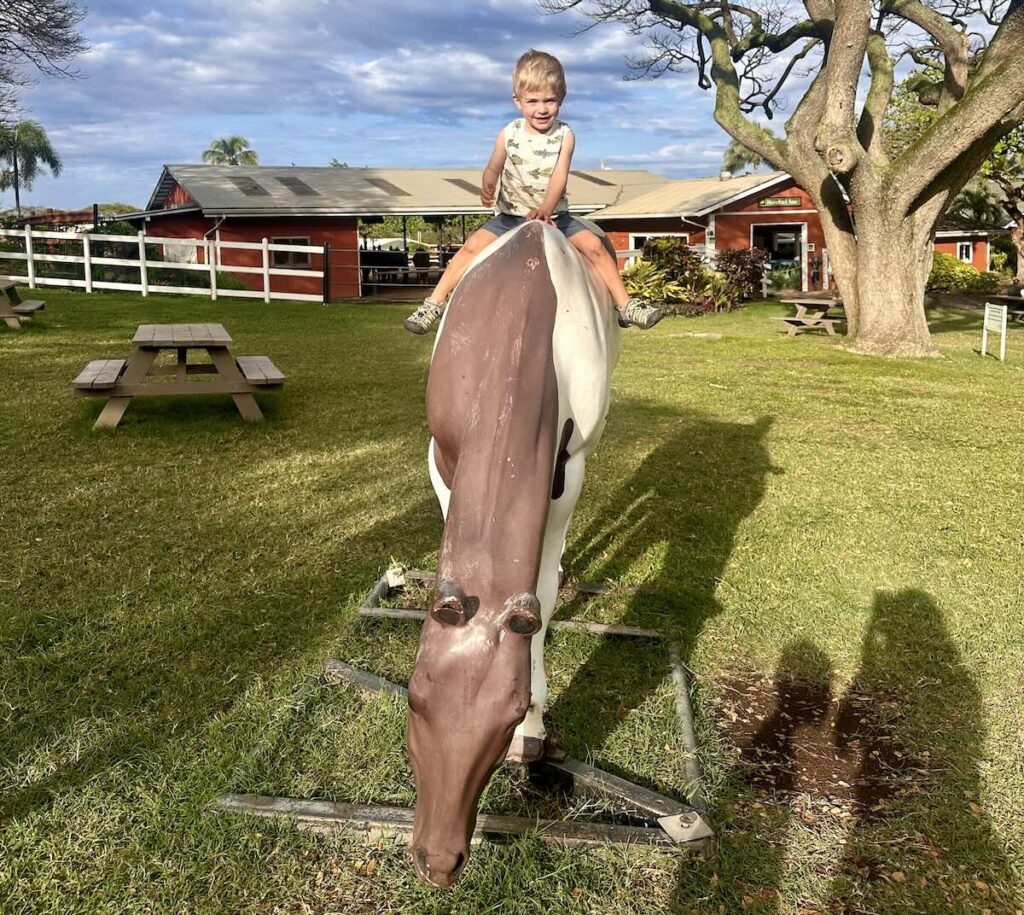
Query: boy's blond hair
x,y
538,70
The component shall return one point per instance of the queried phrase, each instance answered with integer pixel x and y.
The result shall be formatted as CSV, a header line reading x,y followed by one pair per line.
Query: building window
x,y
965,251
289,258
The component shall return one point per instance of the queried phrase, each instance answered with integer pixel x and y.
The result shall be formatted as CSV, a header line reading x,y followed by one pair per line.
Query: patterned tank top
x,y
529,161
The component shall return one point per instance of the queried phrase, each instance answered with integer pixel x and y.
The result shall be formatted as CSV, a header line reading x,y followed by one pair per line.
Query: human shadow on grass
x,y
686,500
931,846
137,696
782,731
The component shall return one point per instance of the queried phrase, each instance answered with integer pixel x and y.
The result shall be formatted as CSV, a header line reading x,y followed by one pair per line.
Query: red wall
x,y
339,232
619,230
948,246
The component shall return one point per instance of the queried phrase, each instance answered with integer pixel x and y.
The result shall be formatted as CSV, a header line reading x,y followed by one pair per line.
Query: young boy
x,y
525,179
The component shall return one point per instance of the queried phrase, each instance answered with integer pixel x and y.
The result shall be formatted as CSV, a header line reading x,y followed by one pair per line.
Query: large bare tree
x,y
39,35
834,145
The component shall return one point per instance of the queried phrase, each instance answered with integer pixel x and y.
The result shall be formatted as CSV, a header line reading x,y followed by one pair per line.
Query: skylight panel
x,y
298,187
464,185
249,187
383,184
585,177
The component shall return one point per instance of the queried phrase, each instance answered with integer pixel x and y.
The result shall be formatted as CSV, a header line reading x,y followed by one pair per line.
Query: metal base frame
x,y
667,822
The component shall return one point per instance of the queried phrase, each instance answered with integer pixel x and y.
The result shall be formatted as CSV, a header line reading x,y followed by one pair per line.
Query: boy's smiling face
x,y
539,107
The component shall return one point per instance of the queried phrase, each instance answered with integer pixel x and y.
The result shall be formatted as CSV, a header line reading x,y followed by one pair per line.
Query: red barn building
x,y
323,207
766,211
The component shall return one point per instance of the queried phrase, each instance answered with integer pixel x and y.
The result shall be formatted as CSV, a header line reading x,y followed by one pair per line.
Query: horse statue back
x,y
516,401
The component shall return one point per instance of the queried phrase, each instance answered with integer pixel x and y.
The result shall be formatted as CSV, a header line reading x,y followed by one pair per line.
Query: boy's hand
x,y
542,213
487,191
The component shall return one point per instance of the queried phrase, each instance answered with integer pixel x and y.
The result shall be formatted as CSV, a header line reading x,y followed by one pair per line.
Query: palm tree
x,y
737,157
977,206
230,151
24,150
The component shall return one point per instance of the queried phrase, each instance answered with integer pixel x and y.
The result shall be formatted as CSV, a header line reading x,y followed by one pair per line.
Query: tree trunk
x,y
1017,237
883,285
17,190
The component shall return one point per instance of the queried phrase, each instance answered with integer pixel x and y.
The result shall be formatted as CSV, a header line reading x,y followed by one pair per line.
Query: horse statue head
x,y
516,399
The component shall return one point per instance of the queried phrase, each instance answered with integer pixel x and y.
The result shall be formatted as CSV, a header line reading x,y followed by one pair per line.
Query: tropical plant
x,y
24,151
650,283
233,150
674,275
743,268
738,157
977,206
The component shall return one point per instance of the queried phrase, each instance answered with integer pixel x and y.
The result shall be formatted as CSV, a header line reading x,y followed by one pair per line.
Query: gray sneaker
x,y
423,318
639,314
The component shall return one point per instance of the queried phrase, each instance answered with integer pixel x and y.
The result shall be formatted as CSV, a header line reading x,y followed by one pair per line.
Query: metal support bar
x,y
322,816
684,714
684,824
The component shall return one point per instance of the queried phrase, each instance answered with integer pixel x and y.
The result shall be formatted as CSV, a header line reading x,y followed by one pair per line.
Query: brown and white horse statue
x,y
516,401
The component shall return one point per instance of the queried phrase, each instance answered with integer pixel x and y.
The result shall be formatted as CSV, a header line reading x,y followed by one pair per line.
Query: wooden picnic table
x,y
13,311
812,313
120,380
1015,314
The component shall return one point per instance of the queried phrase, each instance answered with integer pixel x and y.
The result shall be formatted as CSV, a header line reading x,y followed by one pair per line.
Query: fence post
x,y
266,270
143,273
327,273
87,258
211,259
28,257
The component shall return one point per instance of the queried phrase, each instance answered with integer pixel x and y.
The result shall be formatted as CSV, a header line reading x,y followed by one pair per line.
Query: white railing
x,y
213,249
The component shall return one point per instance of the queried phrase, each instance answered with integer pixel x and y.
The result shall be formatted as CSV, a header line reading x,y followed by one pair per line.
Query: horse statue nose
x,y
440,869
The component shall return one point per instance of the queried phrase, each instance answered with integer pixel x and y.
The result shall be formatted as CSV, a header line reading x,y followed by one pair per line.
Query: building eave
x,y
740,195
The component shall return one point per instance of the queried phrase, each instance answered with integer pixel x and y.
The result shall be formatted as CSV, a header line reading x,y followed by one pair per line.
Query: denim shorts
x,y
503,222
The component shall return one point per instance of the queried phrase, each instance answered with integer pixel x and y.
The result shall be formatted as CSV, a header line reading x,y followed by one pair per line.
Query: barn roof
x,y
267,190
691,196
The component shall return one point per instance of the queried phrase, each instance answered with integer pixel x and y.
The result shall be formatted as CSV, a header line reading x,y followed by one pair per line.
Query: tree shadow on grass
x,y
685,501
931,847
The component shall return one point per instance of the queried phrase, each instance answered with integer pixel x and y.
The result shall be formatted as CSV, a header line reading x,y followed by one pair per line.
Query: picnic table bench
x,y
811,314
139,376
12,309
1015,314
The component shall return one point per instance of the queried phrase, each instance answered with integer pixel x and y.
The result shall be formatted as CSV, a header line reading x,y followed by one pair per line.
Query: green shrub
x,y
743,269
952,275
670,273
784,278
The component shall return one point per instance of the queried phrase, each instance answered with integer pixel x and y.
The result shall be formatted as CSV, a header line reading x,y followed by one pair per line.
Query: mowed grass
x,y
170,590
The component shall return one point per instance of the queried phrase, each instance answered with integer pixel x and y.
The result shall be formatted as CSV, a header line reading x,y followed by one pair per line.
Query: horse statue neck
x,y
516,398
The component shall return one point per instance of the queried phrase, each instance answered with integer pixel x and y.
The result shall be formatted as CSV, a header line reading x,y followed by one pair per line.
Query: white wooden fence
x,y
212,247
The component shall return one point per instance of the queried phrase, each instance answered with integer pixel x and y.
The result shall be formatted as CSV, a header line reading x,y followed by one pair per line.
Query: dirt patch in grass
x,y
796,740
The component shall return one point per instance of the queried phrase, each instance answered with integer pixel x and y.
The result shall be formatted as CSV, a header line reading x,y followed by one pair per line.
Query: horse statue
x,y
516,400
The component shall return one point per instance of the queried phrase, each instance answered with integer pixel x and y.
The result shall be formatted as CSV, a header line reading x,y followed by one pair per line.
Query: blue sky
x,y
391,83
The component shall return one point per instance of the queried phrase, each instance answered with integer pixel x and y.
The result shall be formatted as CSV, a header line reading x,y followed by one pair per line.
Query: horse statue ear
x,y
522,613
450,607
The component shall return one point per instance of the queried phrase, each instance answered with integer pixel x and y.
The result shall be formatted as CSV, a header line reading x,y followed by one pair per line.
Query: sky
x,y
392,83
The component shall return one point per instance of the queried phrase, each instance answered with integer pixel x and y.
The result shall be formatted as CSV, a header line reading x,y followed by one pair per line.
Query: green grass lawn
x,y
788,512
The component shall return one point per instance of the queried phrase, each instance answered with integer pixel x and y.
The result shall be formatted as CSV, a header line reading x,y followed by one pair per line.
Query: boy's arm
x,y
492,171
557,182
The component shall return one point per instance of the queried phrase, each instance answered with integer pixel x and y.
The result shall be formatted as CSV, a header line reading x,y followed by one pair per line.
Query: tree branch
x,y
952,41
980,116
836,138
869,129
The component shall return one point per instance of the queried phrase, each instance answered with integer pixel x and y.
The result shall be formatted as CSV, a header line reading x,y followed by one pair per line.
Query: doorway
x,y
786,244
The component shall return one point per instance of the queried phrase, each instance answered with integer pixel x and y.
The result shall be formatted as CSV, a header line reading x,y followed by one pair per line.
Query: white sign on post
x,y
995,321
